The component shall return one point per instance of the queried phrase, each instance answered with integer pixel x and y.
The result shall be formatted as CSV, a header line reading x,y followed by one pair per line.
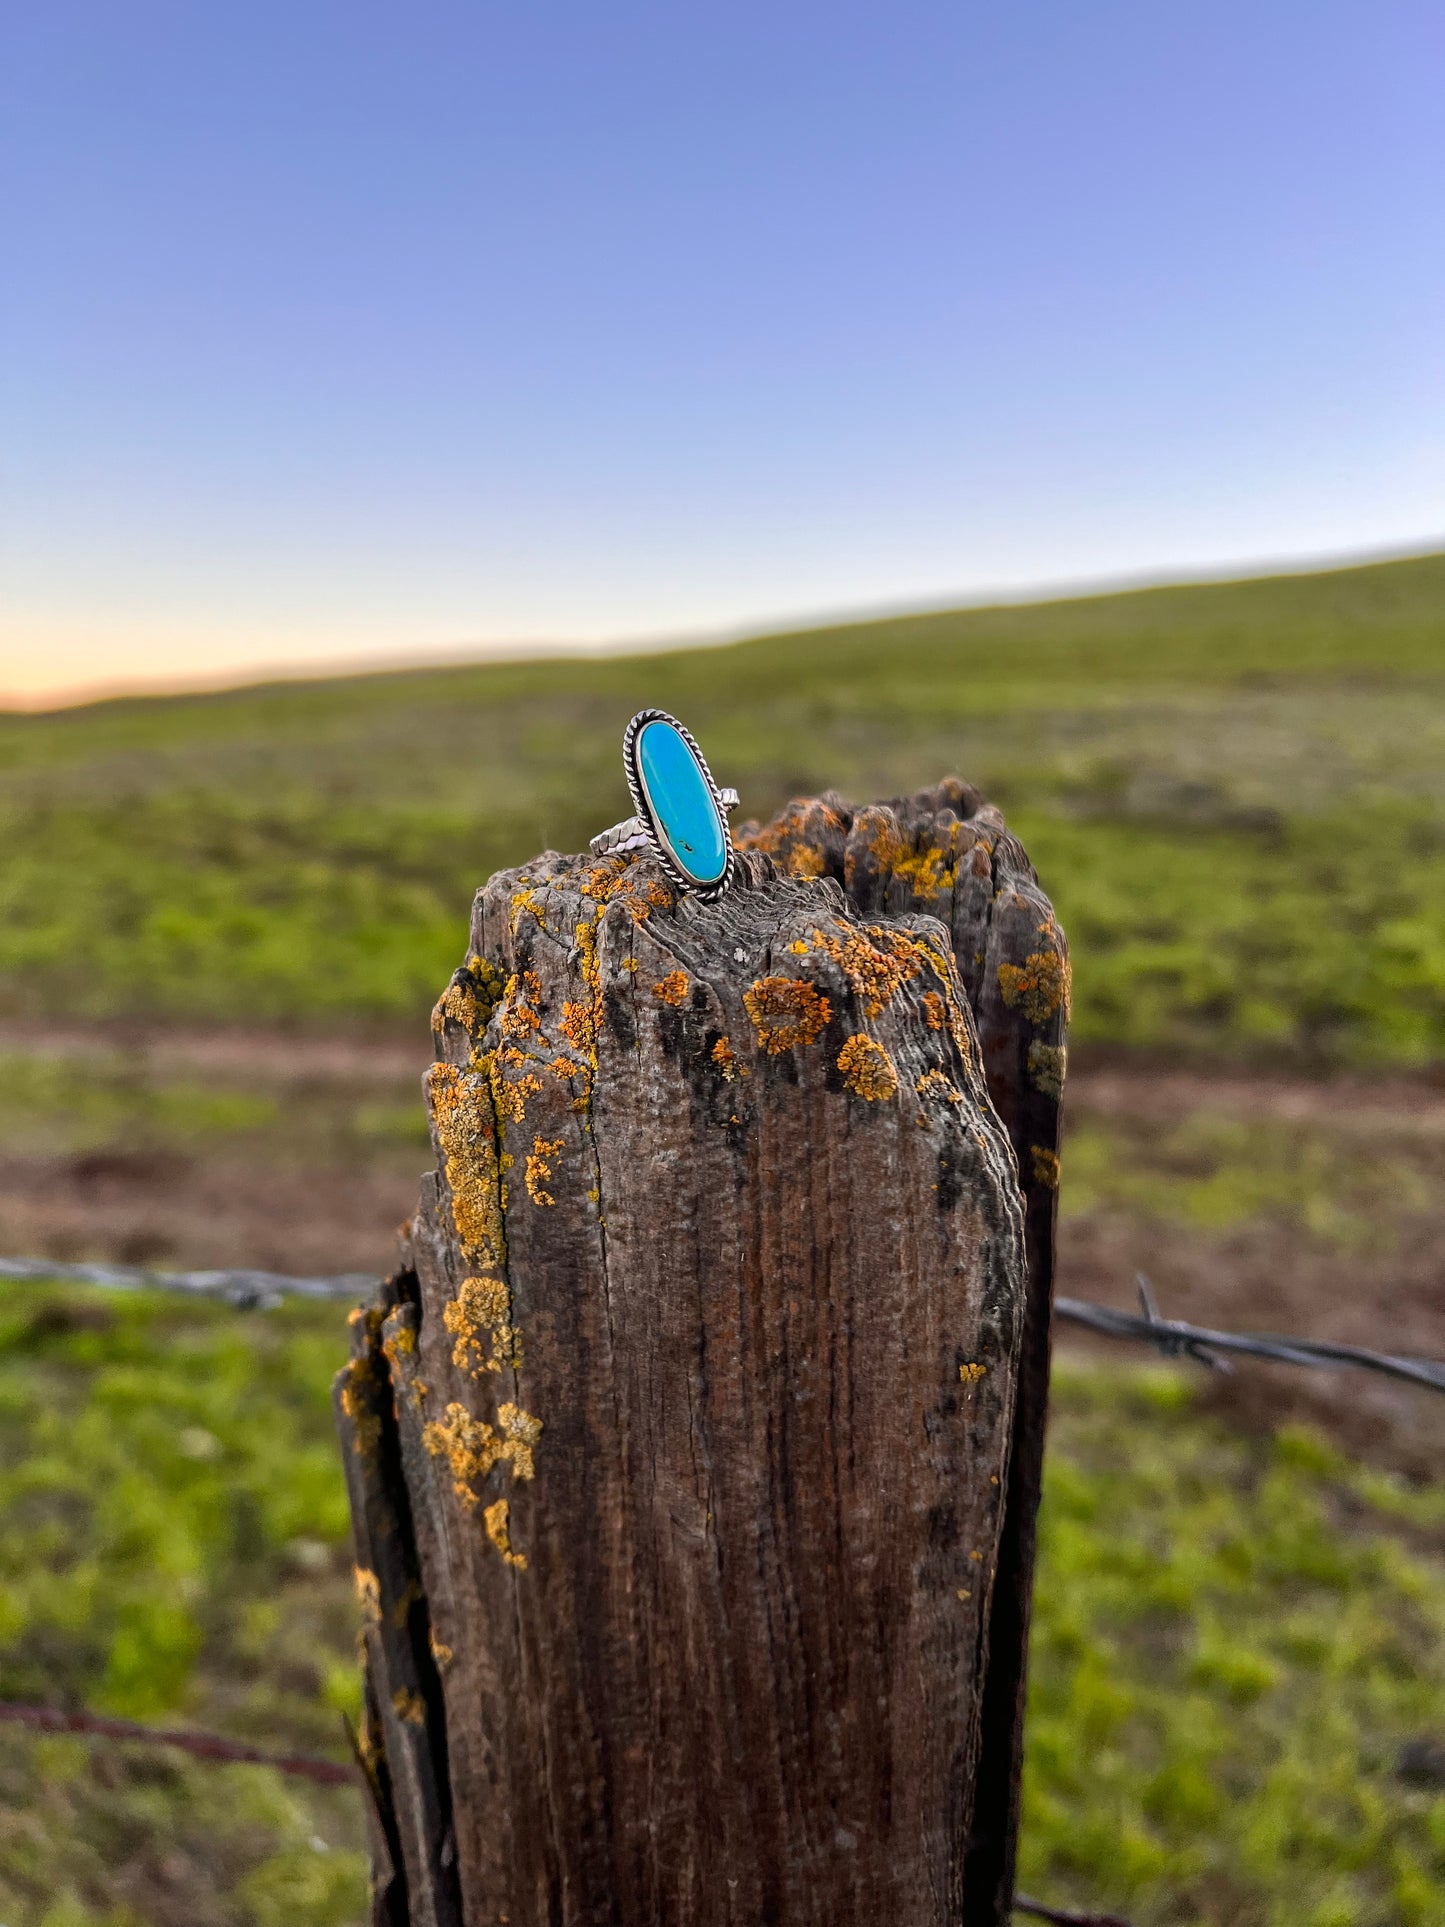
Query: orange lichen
x,y
409,1706
936,1083
934,1010
726,1059
462,1113
539,1168
368,1594
499,1530
971,1373
876,963
400,1343
579,1027
520,1433
471,1447
510,1094
479,1320
804,860
519,1016
1039,986
440,1652
1045,1166
868,1069
581,1021
599,884
671,989
470,998
785,1012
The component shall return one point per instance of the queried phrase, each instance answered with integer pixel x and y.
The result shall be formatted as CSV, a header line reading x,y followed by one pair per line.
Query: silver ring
x,y
681,814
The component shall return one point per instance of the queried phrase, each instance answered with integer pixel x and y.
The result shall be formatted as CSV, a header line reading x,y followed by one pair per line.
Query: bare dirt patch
x,y
307,1204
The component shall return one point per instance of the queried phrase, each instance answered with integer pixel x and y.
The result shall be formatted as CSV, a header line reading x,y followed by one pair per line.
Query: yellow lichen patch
x,y
726,1059
355,1403
409,1706
1047,1064
462,1112
399,1344
519,1015
440,1652
525,901
498,1519
786,1012
868,1069
971,1373
934,1010
539,1168
798,949
671,989
928,871
479,1320
511,1093
936,1083
964,1593
1045,1166
804,860
469,1445
659,896
520,1434
876,963
1038,987
566,1068
469,998
581,1021
368,1594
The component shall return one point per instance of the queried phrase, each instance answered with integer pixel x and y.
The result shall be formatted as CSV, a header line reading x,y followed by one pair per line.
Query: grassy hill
x,y
1236,796
1235,792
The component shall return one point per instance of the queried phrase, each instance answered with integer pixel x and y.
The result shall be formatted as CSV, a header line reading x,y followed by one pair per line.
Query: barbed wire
x,y
204,1746
1173,1337
1061,1916
246,1290
220,1751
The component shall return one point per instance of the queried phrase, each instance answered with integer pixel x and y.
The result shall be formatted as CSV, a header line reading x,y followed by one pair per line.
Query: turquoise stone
x,y
681,802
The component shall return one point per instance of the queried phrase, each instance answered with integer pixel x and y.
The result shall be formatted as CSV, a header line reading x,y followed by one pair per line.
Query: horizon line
x,y
476,654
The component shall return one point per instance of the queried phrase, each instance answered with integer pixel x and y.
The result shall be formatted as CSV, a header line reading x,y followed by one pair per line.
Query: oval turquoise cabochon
x,y
681,801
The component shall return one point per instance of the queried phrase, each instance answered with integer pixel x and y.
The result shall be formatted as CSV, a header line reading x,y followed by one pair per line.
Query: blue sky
x,y
330,331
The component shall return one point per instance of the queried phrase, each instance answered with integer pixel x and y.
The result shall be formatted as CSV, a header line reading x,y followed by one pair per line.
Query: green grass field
x,y
1235,1639
1235,792
1235,795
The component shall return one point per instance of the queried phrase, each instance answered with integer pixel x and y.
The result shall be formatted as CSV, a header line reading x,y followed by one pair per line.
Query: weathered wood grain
x,y
703,1371
948,852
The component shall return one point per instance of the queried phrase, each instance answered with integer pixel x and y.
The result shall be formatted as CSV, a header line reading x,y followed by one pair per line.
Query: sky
x,y
338,332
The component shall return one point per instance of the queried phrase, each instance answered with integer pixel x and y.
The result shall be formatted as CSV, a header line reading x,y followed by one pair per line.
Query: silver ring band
x,y
631,832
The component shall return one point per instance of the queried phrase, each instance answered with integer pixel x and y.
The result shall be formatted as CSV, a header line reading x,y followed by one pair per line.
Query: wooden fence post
x,y
678,1446
948,852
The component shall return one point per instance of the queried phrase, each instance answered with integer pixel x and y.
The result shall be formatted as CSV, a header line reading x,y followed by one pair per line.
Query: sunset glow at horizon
x,y
341,337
